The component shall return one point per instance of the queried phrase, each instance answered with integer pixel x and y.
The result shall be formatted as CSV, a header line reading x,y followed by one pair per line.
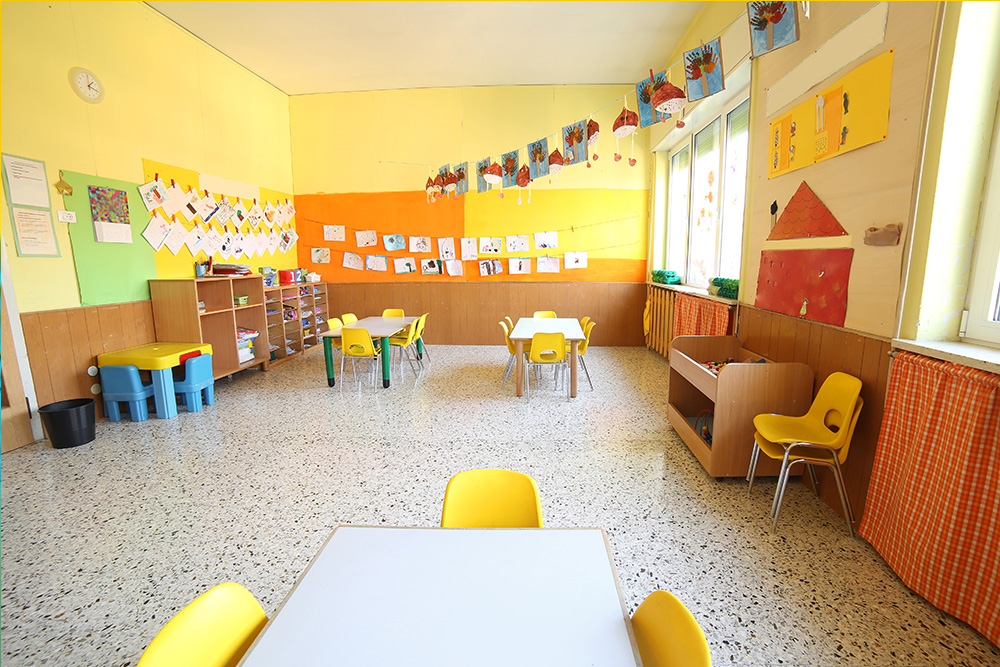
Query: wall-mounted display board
x,y
851,113
108,272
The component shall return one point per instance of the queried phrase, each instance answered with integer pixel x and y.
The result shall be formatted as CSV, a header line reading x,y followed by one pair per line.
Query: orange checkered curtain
x,y
933,508
700,317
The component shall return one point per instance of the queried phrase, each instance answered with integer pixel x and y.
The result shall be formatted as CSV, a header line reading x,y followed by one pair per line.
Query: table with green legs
x,y
378,327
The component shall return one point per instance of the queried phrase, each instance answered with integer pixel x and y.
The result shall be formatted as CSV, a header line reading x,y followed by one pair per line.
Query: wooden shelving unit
x,y
178,318
741,391
295,314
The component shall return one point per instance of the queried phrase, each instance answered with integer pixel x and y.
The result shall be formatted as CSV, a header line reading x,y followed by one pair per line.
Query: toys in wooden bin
x,y
703,425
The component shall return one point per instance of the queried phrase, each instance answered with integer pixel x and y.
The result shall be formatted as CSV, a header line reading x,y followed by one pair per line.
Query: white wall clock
x,y
86,85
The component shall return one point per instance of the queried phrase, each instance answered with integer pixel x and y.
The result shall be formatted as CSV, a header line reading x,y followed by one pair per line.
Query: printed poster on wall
x,y
34,234
109,211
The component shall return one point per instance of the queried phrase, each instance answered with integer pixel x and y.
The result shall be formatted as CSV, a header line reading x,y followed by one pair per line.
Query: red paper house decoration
x,y
805,216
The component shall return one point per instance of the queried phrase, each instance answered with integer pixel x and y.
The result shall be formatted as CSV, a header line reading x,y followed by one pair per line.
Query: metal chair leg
x,y
844,501
815,480
507,370
584,364
752,470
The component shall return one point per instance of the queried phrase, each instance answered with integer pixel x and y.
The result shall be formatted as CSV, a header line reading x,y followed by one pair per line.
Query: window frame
x,y
984,279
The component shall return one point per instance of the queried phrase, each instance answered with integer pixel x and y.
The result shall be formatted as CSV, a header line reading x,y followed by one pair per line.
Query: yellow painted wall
x,y
169,97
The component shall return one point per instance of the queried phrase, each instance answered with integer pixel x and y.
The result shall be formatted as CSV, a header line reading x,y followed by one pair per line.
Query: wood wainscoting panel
x,y
826,350
467,313
63,344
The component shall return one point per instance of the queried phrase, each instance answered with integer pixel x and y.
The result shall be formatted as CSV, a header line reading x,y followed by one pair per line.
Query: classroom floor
x,y
103,543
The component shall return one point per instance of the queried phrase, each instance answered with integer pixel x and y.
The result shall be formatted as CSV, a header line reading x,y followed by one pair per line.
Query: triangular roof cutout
x,y
805,216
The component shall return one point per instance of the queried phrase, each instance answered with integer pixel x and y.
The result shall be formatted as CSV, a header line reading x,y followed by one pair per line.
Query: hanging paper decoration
x,y
624,125
772,26
667,98
703,71
430,189
593,131
462,175
574,143
494,176
510,164
538,158
555,163
644,92
482,184
523,181
438,186
450,185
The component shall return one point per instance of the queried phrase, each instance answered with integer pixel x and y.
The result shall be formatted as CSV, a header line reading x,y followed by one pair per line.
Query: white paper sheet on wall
x,y
174,202
546,240
156,230
175,237
454,267
575,260
352,260
517,243
333,233
404,264
420,244
548,265
366,238
519,265
469,249
446,248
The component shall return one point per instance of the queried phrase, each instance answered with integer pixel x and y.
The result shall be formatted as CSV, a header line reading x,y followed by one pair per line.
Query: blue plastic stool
x,y
198,381
122,383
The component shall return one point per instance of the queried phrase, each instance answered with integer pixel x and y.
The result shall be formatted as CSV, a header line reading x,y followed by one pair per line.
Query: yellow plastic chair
x,y
349,318
547,349
668,635
420,336
581,349
491,499
393,312
214,630
510,322
405,343
583,322
544,313
335,323
357,344
512,348
822,436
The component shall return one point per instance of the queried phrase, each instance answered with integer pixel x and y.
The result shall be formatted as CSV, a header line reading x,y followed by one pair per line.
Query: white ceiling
x,y
323,47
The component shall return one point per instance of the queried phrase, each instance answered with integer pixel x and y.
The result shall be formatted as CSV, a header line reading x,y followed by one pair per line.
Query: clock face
x,y
86,85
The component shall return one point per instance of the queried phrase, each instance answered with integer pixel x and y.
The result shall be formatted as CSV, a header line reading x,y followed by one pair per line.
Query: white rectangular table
x,y
527,327
377,327
453,597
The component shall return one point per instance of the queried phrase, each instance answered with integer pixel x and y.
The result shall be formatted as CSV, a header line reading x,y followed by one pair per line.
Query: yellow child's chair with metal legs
x,y
512,348
349,318
491,499
214,630
581,348
547,349
668,635
405,343
335,323
393,312
822,436
544,313
357,344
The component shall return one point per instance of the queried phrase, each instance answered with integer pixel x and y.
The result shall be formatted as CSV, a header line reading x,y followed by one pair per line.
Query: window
x,y
706,197
983,301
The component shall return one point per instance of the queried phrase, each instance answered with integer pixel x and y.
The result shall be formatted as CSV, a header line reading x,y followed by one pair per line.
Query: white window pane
x,y
703,232
677,214
734,190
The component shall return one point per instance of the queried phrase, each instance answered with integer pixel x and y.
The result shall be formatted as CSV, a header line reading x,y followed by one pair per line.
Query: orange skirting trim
x,y
933,508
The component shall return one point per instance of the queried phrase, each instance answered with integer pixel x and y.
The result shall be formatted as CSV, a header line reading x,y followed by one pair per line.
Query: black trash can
x,y
69,423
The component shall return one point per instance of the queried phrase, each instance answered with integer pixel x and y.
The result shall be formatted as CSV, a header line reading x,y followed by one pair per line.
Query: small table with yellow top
x,y
159,359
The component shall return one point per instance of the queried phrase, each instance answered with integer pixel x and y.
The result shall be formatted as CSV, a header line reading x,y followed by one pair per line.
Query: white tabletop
x,y
378,327
441,597
527,327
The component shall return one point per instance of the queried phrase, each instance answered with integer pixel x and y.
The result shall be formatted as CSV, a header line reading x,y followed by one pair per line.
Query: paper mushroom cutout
x,y
450,184
493,175
555,163
523,180
668,98
593,132
430,189
624,125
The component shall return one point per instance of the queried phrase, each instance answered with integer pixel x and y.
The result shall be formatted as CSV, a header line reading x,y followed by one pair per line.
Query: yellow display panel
x,y
851,113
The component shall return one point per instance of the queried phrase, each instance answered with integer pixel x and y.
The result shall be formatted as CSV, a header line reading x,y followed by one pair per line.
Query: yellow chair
x,y
349,318
583,322
405,342
510,322
393,312
214,630
822,436
544,313
420,336
668,635
357,344
491,499
512,348
581,349
547,349
335,323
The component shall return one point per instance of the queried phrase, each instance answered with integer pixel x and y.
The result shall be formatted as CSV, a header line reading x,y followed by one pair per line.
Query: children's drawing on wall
x,y
273,241
270,215
519,265
366,238
644,91
320,255
333,232
575,260
548,264
286,239
156,230
469,250
352,260
490,245
190,208
772,26
207,207
109,211
546,240
376,263
430,267
153,194
574,139
420,244
454,267
481,184
703,71
810,284
462,178
226,246
490,267
394,242
225,211
538,158
446,248
509,162
404,264
255,216
517,243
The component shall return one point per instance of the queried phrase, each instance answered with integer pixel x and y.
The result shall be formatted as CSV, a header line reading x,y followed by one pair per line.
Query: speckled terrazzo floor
x,y
103,543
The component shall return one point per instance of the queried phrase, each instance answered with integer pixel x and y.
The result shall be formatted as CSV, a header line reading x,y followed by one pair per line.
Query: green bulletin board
x,y
108,272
